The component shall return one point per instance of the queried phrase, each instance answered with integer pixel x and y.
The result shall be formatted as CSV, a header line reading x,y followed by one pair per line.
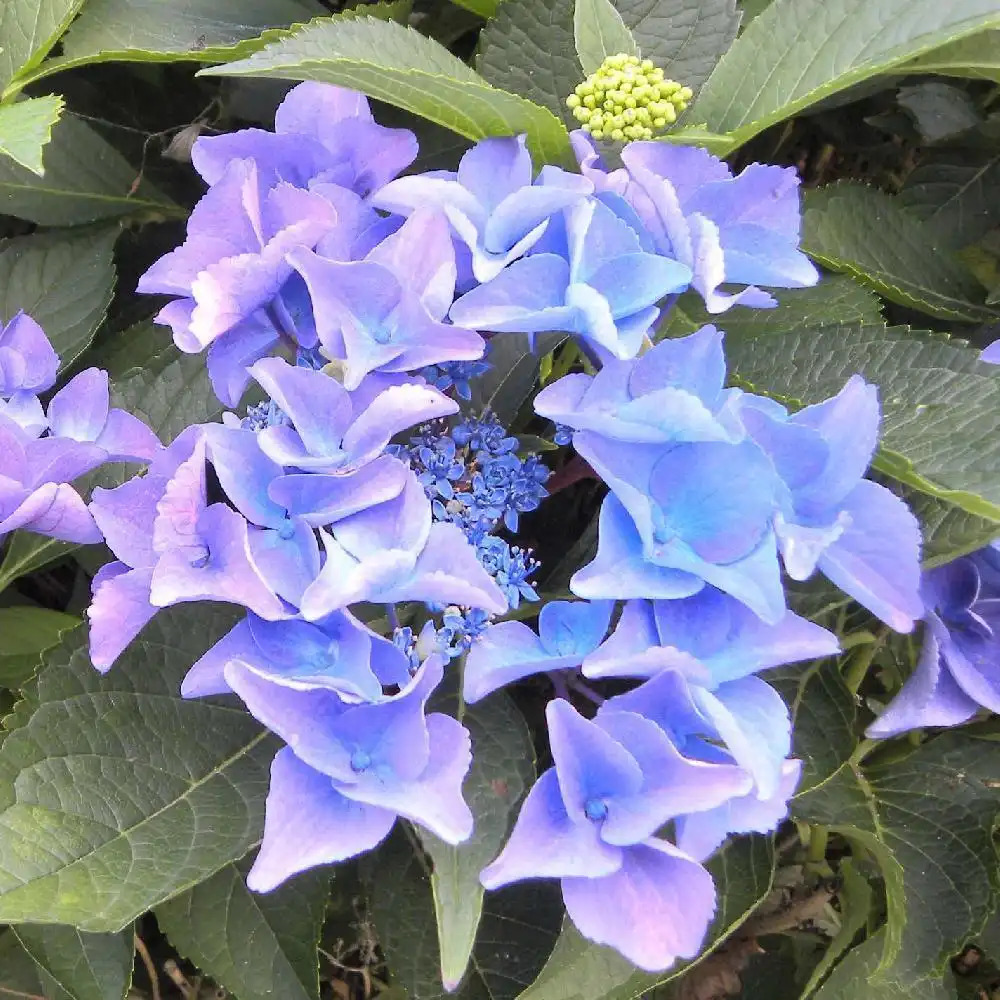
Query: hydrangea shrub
x,y
542,544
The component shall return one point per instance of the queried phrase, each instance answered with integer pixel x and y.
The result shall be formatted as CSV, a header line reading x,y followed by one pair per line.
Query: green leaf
x,y
599,32
855,978
528,49
866,233
257,945
64,281
855,902
940,404
948,531
86,180
685,38
940,110
115,793
502,770
517,929
75,965
752,9
824,717
513,373
25,634
28,30
152,379
957,193
798,52
484,8
580,970
25,128
929,819
396,64
152,31
836,299
976,57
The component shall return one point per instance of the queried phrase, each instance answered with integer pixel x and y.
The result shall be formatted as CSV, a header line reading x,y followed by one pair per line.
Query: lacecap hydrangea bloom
x,y
368,526
47,448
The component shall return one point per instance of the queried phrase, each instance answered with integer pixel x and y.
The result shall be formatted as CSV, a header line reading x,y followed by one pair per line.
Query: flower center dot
x,y
596,810
360,761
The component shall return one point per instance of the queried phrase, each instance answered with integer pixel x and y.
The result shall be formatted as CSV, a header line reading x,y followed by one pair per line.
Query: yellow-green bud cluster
x,y
627,99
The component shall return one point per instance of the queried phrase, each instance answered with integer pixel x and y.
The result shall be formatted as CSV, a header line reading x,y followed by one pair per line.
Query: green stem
x,y
818,838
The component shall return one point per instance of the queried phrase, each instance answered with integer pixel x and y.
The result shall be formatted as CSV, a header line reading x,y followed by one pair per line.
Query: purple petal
x,y
244,472
876,560
80,409
119,609
228,575
655,909
573,628
699,834
287,557
434,798
620,570
320,499
751,719
230,356
55,510
207,675
309,823
930,696
125,516
673,784
127,439
991,353
570,848
27,359
592,766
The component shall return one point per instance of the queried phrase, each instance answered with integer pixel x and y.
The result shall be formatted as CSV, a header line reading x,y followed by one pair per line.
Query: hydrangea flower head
x,y
604,286
741,230
956,674
590,821
386,312
627,98
322,135
494,207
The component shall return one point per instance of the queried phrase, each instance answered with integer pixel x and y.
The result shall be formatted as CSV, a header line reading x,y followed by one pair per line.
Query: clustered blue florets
x,y
309,514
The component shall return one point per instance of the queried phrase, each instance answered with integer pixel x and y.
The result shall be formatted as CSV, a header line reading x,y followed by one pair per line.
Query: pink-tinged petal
x,y
181,503
228,574
655,909
55,510
421,255
309,823
207,675
125,516
118,612
569,848
930,696
877,559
